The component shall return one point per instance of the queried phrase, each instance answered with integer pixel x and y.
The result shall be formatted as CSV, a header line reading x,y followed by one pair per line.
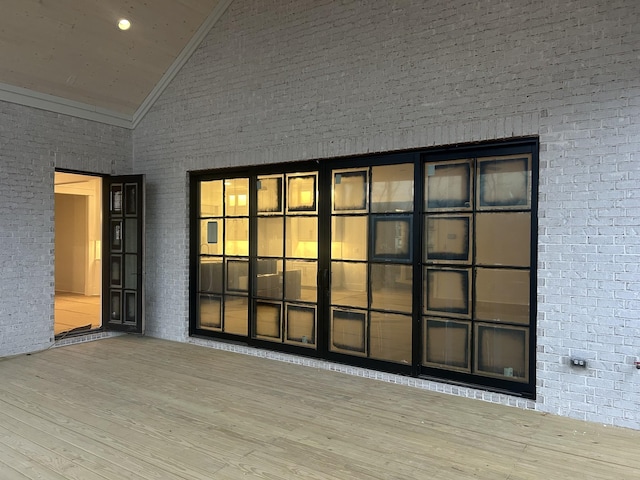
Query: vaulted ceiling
x,y
71,53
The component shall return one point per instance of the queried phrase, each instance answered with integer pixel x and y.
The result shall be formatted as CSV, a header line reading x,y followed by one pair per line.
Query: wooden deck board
x,y
142,408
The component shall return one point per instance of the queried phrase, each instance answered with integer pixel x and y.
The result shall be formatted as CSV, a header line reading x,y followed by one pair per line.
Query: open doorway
x,y
78,253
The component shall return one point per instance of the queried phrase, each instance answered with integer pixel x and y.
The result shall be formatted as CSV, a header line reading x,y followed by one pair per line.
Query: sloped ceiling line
x,y
52,103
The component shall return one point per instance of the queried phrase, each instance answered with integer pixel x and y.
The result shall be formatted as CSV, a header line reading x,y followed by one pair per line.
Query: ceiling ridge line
x,y
179,62
55,104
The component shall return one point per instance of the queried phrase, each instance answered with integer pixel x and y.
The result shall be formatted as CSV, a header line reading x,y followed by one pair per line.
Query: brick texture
x,y
283,81
32,144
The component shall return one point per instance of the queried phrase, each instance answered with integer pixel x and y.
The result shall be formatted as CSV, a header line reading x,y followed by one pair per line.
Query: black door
x,y
122,285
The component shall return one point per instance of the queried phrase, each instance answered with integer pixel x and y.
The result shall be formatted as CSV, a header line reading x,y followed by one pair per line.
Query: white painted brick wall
x,y
283,81
32,144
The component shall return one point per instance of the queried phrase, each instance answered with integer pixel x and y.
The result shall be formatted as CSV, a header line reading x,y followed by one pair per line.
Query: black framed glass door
x,y
417,263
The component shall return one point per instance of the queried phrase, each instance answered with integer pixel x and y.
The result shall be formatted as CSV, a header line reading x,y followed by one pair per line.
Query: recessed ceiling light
x,y
124,24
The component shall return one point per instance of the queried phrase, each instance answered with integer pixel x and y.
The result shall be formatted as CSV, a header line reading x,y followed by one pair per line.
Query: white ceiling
x,y
70,53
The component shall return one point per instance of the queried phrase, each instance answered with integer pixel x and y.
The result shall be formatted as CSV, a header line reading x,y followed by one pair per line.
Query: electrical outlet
x,y
579,362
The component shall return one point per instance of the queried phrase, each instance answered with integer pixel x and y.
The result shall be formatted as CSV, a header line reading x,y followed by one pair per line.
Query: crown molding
x,y
181,59
43,101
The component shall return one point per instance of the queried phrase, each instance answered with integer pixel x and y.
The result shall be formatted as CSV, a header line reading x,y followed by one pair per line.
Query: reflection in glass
x,y
115,302
502,351
350,190
236,315
116,199
209,312
270,194
131,272
392,188
131,235
301,325
446,344
447,291
494,246
448,238
211,198
211,232
504,182
269,278
301,193
392,238
301,280
348,331
237,275
116,235
131,199
391,287
302,237
116,271
270,231
130,307
447,185
237,236
391,337
268,321
236,197
502,295
348,238
210,275
349,284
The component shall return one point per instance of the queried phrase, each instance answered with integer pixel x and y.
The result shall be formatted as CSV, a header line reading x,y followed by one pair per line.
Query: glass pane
x,y
349,238
268,321
131,199
270,241
302,237
131,235
301,193
350,190
301,280
236,315
391,287
349,284
116,271
301,325
211,236
237,236
269,194
448,185
130,307
209,309
447,291
392,188
238,275
447,238
131,272
392,238
504,182
211,199
236,197
115,302
446,344
502,295
494,247
502,351
268,282
349,332
391,337
116,199
116,235
210,275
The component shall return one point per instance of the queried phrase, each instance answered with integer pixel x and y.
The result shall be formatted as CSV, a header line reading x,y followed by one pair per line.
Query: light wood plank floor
x,y
73,310
133,407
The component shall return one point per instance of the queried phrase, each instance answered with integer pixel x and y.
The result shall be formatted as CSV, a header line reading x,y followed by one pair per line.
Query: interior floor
x,y
73,310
